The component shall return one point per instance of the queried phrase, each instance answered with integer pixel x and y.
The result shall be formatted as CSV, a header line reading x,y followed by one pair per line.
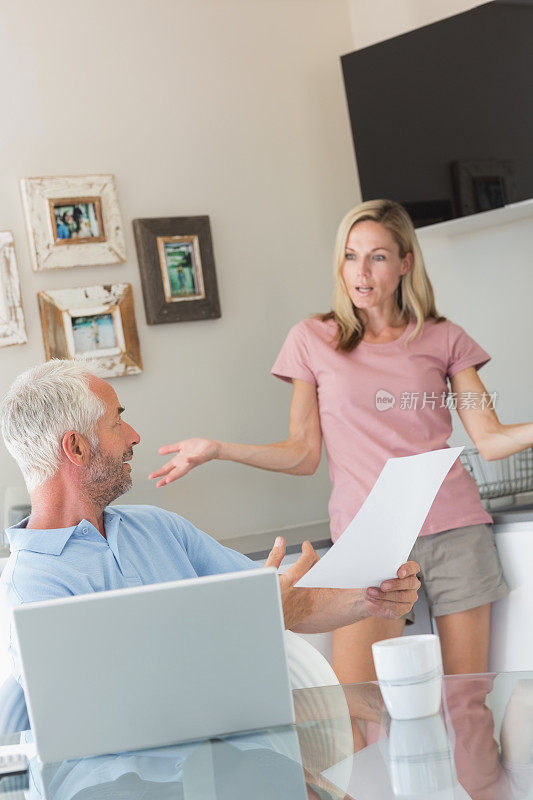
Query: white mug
x,y
409,672
420,758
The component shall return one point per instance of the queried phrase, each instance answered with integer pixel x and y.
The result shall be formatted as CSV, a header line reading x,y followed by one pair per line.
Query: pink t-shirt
x,y
381,401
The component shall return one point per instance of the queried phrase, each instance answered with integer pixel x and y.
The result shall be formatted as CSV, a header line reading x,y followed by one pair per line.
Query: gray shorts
x,y
459,569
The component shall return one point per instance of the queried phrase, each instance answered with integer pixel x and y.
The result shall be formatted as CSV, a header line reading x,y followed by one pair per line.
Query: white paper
x,y
382,533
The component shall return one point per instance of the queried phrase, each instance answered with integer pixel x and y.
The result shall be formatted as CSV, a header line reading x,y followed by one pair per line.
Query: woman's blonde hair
x,y
414,295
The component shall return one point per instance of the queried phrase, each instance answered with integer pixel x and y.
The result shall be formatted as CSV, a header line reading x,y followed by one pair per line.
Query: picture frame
x,y
73,221
177,268
490,192
12,328
96,322
482,185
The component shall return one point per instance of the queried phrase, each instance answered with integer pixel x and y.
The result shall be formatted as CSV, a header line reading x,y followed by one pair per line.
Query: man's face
x,y
109,473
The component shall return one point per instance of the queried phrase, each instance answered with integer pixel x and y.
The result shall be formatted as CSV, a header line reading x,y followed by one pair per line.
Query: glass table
x,y
343,745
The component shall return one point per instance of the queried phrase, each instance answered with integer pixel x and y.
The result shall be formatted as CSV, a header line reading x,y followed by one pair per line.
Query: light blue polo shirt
x,y
144,545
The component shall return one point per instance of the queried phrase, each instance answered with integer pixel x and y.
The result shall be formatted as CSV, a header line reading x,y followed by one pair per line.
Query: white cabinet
x,y
512,617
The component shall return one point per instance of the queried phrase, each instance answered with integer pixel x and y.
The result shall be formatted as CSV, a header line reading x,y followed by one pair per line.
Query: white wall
x,y
376,20
483,281
229,108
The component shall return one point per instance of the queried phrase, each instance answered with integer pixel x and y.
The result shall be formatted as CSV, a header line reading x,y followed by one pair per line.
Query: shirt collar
x,y
51,541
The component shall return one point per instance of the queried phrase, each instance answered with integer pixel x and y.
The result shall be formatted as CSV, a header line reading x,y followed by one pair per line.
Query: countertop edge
x,y
258,545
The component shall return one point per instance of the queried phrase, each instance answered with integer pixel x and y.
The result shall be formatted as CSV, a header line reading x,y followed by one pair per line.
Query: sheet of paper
x,y
382,533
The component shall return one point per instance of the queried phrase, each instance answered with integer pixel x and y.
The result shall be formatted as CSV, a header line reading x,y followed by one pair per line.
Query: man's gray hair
x,y
43,404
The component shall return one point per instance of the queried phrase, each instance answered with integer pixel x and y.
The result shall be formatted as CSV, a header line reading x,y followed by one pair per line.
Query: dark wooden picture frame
x,y
182,289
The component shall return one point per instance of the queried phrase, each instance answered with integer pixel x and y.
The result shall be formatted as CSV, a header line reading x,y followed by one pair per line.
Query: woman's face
x,y
372,265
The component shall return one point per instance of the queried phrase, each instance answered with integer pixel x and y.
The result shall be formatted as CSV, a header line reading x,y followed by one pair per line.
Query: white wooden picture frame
x,y
95,195
12,329
96,322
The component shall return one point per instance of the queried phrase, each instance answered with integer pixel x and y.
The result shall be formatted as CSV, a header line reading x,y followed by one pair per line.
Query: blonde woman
x,y
371,378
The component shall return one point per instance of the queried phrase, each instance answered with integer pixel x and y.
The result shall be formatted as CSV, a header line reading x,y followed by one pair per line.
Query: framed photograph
x,y
96,322
12,330
177,269
77,219
73,221
483,185
490,192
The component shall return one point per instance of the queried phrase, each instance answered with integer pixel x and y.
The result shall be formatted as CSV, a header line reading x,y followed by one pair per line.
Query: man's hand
x,y
318,610
297,603
395,597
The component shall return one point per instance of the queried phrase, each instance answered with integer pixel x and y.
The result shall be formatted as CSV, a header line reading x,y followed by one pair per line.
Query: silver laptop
x,y
155,665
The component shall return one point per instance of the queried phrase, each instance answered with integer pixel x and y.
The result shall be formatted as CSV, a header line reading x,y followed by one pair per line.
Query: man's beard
x,y
106,478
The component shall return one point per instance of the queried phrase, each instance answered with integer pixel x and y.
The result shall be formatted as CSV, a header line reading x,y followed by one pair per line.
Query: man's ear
x,y
76,448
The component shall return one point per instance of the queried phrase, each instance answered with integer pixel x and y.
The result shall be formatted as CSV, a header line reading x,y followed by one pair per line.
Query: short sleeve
x,y
463,351
207,556
293,361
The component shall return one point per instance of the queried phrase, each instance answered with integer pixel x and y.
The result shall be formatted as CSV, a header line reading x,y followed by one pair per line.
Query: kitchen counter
x,y
258,545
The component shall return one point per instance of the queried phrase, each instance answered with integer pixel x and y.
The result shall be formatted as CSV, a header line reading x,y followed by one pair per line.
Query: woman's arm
x,y
492,439
298,454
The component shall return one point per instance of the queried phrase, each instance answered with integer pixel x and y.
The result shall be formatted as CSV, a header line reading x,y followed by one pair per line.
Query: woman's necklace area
x,y
388,334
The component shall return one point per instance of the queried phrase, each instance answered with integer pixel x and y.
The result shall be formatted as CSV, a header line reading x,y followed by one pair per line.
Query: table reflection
x,y
455,754
263,765
343,745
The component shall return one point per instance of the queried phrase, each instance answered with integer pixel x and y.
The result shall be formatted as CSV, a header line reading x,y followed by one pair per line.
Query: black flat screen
x,y
442,117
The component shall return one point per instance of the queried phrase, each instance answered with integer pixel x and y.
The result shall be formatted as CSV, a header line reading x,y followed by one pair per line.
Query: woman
x,y
371,378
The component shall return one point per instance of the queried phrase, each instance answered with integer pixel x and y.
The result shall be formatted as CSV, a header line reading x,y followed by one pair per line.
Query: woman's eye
x,y
349,256
379,257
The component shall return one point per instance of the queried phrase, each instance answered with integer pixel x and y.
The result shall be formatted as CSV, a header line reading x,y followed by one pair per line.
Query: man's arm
x,y
319,610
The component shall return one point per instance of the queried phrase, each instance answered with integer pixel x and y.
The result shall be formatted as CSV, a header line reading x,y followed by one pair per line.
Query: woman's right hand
x,y
298,454
189,453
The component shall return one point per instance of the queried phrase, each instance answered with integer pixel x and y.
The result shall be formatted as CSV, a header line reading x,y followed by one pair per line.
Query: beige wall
x,y
376,20
229,108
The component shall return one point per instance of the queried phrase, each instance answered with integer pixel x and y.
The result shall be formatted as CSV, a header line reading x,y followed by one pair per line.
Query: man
x,y
64,427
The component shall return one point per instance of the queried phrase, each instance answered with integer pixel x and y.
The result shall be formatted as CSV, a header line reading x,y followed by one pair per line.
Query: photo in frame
x,y
483,185
73,221
490,192
12,328
77,220
96,322
177,269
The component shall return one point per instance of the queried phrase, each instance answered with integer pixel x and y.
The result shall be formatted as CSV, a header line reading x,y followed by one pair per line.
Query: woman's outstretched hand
x,y
189,453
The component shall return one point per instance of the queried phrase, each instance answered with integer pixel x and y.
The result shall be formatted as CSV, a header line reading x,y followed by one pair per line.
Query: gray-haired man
x,y
65,429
